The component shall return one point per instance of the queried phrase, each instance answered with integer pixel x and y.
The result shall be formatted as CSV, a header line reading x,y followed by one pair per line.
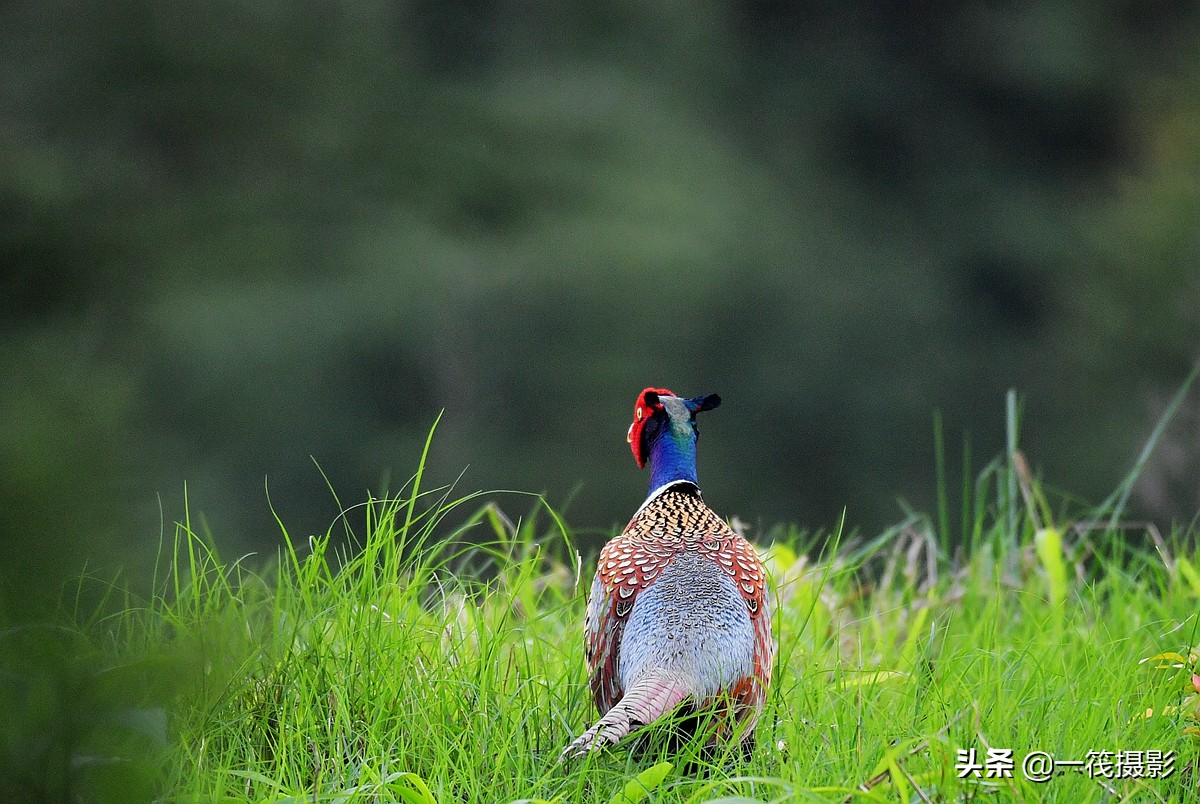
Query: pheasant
x,y
678,611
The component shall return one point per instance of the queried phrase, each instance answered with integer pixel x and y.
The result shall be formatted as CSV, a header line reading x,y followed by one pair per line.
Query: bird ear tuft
x,y
710,402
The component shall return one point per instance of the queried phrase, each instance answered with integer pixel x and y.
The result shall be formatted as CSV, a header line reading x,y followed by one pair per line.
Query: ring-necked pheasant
x,y
678,610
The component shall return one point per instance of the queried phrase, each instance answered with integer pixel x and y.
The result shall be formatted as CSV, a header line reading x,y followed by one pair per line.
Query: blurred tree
x,y
237,236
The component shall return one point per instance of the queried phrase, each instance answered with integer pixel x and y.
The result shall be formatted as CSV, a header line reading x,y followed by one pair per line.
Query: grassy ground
x,y
408,666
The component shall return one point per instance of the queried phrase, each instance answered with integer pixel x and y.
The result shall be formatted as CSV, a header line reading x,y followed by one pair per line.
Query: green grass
x,y
428,649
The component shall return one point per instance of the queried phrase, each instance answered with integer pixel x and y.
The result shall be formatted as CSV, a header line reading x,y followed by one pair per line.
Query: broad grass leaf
x,y
1189,574
640,786
412,789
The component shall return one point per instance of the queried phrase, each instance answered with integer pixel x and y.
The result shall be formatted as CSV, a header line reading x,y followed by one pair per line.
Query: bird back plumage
x,y
678,611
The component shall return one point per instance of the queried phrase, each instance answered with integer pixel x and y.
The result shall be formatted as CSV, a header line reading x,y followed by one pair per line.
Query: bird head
x,y
658,412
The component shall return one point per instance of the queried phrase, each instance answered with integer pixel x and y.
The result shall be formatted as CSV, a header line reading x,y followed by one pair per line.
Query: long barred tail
x,y
646,701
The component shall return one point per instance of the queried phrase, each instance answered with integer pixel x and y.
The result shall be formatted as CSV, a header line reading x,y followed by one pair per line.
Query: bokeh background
x,y
236,237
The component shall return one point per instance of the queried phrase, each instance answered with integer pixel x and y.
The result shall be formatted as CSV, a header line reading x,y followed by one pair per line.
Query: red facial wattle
x,y
643,409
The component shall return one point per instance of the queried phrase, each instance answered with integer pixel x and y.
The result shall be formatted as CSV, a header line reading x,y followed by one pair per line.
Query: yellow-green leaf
x,y
1048,544
640,786
1165,660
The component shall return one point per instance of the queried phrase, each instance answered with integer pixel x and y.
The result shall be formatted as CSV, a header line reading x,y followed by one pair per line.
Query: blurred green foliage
x,y
237,235
80,725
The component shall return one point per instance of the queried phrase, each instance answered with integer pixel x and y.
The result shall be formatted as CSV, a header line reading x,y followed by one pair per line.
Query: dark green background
x,y
236,235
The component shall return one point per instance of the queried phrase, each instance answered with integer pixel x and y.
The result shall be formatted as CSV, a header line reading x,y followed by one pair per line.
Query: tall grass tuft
x,y
427,648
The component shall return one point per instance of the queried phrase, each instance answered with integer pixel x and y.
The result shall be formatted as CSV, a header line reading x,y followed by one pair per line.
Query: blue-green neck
x,y
673,458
